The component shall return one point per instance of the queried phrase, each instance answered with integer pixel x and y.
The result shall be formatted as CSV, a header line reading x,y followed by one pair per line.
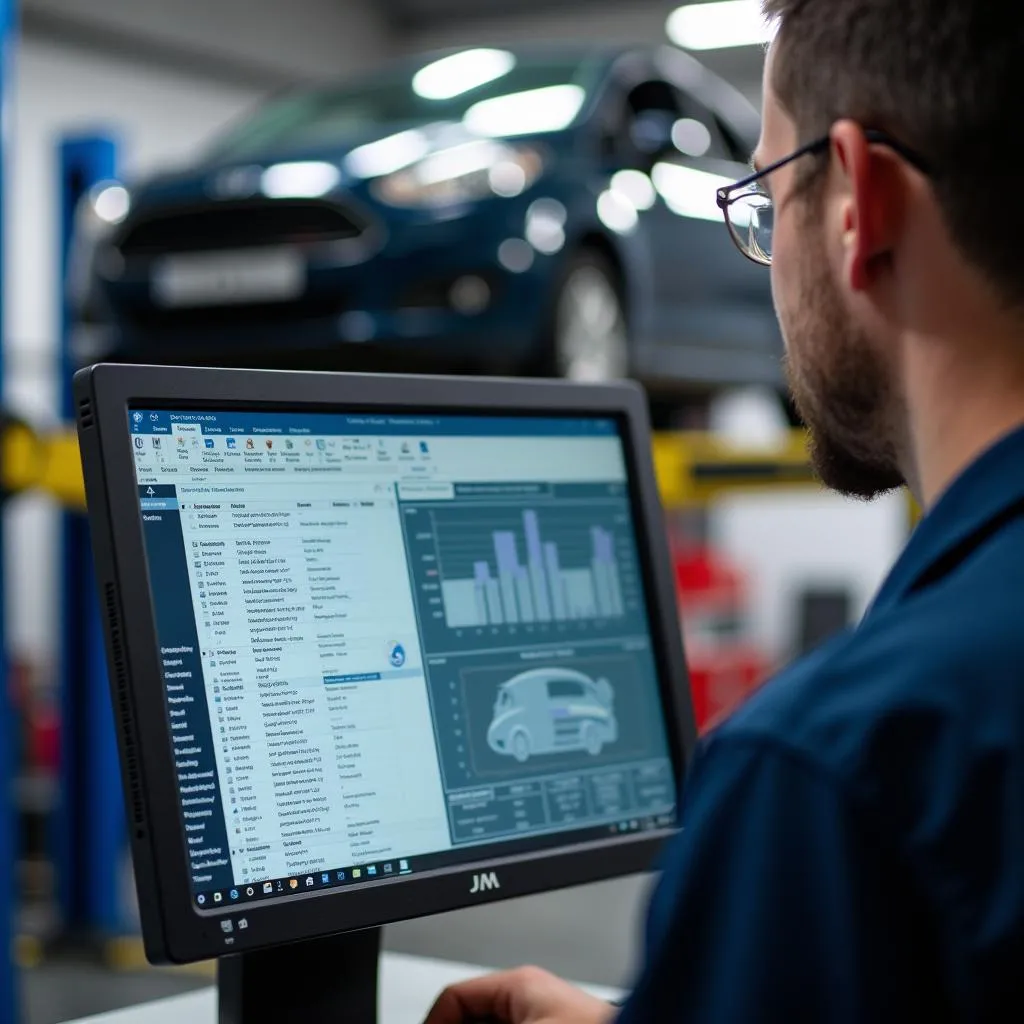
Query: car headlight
x,y
99,212
462,174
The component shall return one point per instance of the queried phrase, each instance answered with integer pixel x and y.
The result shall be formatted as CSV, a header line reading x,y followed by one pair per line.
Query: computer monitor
x,y
379,647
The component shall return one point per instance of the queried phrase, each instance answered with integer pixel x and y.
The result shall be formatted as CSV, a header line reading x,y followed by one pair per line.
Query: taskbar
x,y
311,881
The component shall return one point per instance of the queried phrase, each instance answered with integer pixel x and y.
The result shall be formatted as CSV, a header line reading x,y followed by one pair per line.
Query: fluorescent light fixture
x,y
387,155
515,255
111,203
306,179
534,111
458,161
689,192
449,77
616,212
691,137
718,26
636,187
545,225
508,179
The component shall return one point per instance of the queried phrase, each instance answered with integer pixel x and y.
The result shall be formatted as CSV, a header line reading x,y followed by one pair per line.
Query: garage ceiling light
x,y
461,72
387,155
689,192
551,109
111,202
718,26
306,179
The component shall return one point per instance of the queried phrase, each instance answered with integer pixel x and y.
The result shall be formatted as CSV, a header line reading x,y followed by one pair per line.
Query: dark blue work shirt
x,y
853,840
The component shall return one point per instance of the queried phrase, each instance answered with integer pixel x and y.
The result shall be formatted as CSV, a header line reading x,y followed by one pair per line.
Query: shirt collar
x,y
985,490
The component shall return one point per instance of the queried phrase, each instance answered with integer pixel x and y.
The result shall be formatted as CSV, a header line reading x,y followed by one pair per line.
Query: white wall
x,y
790,540
160,117
305,38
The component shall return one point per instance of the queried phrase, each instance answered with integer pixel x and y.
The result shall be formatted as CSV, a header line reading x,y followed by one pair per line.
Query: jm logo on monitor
x,y
485,882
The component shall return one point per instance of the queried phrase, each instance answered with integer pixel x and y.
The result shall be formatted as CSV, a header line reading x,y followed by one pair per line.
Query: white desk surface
x,y
408,987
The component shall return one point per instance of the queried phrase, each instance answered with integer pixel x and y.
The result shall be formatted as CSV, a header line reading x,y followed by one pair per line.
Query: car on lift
x,y
540,210
552,711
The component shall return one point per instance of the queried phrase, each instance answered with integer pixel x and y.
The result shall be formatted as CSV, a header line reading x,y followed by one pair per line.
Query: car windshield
x,y
492,91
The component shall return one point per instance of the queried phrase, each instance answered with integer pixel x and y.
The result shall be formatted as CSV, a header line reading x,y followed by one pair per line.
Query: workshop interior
x,y
424,189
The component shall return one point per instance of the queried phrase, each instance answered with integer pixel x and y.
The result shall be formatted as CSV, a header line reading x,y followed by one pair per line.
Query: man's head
x,y
867,250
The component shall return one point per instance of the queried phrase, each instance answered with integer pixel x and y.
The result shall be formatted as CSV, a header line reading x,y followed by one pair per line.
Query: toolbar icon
x,y
232,443
268,888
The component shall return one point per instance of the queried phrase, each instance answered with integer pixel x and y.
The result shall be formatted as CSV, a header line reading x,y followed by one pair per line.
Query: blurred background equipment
x,y
400,184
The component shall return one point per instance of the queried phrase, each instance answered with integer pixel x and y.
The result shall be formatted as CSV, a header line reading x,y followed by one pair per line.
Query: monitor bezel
x,y
174,930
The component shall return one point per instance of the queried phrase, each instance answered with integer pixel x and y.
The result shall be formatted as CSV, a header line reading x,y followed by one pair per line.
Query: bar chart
x,y
521,576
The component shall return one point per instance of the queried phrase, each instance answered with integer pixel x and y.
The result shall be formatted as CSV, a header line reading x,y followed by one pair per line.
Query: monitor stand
x,y
323,980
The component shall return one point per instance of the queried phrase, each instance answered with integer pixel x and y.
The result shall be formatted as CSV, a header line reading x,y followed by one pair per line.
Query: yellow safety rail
x,y
35,462
692,468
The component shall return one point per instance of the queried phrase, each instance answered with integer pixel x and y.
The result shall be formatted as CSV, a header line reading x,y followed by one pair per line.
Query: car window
x,y
389,102
659,120
561,688
505,699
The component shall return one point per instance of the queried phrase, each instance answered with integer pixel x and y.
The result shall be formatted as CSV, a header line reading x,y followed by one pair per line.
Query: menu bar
x,y
292,424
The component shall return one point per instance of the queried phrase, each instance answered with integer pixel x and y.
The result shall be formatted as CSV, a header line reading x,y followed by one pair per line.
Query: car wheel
x,y
521,747
589,336
592,742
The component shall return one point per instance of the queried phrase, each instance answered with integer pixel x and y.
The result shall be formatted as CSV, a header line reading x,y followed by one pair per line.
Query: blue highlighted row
x,y
372,677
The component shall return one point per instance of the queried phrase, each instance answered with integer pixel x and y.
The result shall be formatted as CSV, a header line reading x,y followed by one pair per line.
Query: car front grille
x,y
238,225
256,314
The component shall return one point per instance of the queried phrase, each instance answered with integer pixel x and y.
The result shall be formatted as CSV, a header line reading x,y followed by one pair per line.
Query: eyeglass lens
x,y
752,218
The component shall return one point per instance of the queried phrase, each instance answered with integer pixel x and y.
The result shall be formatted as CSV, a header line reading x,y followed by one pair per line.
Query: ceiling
x,y
417,14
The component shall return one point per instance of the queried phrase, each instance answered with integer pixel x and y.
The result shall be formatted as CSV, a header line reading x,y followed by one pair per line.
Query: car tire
x,y
591,737
520,747
589,339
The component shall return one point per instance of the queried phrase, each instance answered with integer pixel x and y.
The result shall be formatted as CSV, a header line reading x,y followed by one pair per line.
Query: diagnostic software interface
x,y
391,643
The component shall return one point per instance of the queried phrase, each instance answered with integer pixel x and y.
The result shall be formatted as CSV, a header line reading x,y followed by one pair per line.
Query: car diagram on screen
x,y
550,711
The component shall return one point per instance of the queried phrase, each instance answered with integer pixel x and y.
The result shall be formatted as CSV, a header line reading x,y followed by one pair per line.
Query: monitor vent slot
x,y
125,718
85,417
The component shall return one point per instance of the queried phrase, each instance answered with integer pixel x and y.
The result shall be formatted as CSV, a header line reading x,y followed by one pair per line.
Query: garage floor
x,y
589,934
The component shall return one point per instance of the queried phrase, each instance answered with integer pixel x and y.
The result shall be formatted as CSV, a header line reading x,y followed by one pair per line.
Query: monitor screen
x,y
396,643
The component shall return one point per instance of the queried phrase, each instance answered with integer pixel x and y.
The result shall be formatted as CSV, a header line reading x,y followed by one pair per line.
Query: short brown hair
x,y
946,78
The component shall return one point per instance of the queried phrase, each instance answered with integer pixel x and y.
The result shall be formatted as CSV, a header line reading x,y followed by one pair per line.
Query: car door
x,y
711,318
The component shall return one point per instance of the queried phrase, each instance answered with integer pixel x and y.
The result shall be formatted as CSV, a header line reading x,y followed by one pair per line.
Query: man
x,y
853,842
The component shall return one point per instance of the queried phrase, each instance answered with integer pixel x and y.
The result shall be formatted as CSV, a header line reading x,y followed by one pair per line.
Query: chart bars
x,y
505,590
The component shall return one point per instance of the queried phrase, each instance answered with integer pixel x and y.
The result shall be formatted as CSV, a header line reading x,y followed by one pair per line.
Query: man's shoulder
x,y
897,688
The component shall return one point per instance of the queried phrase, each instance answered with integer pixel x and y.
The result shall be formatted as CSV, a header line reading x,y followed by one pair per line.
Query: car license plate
x,y
228,278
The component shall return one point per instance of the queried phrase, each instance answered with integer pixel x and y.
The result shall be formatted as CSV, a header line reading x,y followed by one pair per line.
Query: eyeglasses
x,y
749,210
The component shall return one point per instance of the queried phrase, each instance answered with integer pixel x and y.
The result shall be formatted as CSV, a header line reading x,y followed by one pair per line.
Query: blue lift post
x,y
8,995
91,825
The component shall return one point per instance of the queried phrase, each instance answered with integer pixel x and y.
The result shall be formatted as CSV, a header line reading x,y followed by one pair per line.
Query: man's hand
x,y
526,996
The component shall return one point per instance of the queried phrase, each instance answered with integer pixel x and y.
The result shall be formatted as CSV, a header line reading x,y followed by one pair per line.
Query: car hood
x,y
356,159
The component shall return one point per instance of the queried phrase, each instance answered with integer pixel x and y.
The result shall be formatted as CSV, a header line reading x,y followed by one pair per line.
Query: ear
x,y
870,208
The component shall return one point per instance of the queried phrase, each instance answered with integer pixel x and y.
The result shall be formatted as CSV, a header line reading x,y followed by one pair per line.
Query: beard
x,y
841,385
